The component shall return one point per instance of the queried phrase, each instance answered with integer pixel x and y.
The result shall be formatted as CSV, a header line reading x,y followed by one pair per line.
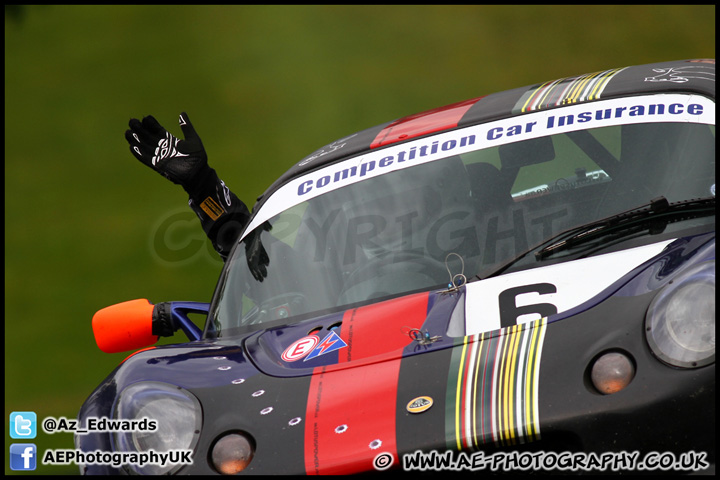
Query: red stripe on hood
x,y
350,414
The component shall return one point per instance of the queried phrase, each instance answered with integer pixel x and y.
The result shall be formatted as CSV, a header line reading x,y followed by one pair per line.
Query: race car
x,y
521,281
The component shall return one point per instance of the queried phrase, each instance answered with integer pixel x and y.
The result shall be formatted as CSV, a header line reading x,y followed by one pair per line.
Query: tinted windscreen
x,y
416,227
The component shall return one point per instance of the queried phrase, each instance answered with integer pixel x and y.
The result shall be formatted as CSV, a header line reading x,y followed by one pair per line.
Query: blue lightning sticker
x,y
329,344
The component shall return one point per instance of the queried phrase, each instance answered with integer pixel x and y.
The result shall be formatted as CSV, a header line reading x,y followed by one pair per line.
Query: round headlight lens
x,y
611,372
177,415
680,323
232,453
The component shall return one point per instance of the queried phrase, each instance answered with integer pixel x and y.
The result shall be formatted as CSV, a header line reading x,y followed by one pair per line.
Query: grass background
x,y
264,86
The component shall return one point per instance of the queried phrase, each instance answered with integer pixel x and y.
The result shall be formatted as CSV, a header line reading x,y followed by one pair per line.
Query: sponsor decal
x,y
300,348
419,404
336,145
682,74
329,344
212,208
621,111
310,347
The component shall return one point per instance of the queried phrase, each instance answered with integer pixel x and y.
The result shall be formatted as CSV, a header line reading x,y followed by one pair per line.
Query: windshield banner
x,y
621,111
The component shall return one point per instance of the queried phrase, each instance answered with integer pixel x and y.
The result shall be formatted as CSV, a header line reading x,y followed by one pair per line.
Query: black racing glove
x,y
184,162
257,257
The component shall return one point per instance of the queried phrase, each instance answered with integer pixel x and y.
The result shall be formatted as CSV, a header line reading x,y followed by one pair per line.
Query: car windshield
x,y
425,214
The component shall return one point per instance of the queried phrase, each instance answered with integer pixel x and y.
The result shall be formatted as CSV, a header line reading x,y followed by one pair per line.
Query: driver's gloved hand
x,y
184,162
255,253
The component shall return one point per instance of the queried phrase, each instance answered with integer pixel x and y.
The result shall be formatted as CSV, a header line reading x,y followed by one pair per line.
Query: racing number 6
x,y
509,311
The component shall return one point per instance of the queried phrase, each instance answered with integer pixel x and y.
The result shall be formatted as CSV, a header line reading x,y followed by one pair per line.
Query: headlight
x,y
177,415
232,453
680,322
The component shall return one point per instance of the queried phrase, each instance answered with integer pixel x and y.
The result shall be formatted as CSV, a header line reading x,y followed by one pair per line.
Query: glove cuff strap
x,y
203,184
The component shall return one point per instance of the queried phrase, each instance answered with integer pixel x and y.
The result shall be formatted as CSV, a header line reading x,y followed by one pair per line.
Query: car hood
x,y
421,322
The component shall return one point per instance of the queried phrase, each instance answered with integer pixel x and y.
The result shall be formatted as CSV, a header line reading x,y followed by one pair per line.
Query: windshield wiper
x,y
652,217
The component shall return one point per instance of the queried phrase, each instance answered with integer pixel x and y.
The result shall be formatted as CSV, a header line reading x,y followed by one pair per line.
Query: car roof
x,y
693,76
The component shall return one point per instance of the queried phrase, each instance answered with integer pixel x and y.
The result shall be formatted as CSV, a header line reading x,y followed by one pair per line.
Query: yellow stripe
x,y
537,345
498,382
529,382
601,85
507,402
541,338
572,92
542,100
504,390
562,99
524,107
578,89
535,91
512,394
522,386
474,396
577,92
457,395
591,93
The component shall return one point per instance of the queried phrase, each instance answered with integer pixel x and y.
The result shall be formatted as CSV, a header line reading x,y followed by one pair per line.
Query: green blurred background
x,y
86,225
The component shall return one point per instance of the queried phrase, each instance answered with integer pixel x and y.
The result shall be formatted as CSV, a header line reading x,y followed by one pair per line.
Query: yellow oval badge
x,y
419,404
